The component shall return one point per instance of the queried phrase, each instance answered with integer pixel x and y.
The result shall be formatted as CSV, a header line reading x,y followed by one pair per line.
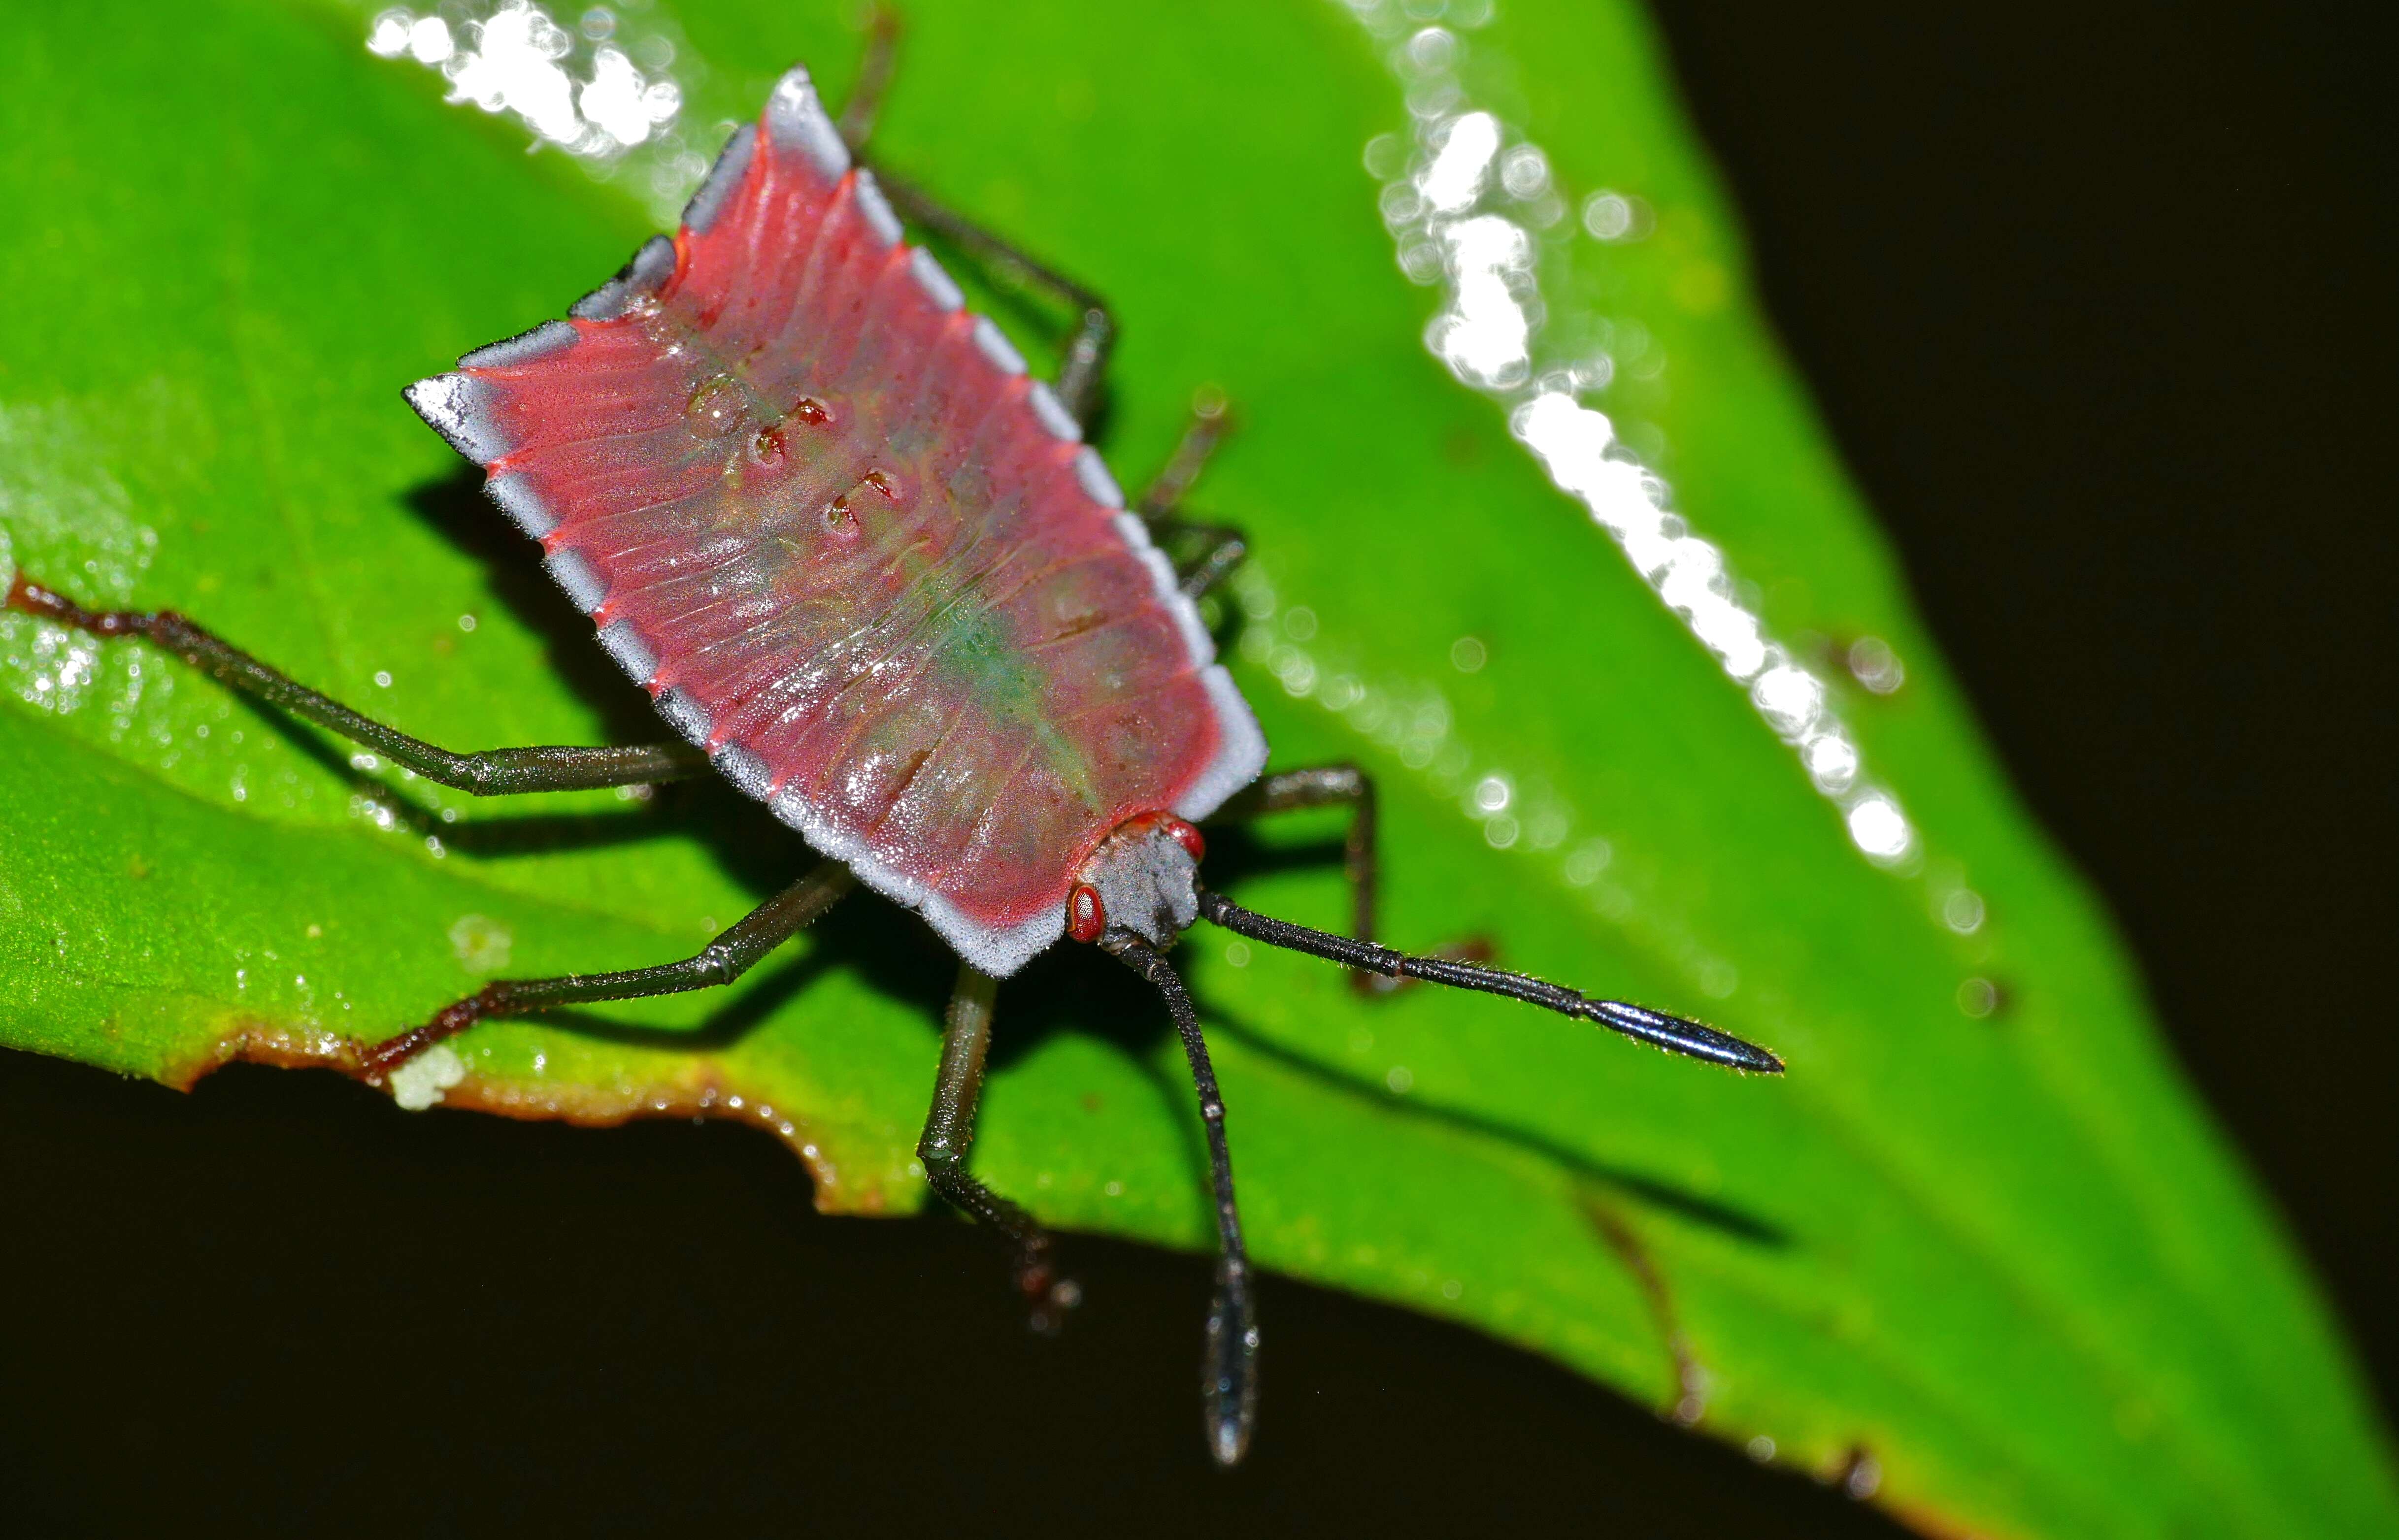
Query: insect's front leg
x,y
949,1136
490,773
1328,786
1343,786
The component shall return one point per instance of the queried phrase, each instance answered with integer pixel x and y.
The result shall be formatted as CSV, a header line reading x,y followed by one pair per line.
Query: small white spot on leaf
x,y
419,1082
482,943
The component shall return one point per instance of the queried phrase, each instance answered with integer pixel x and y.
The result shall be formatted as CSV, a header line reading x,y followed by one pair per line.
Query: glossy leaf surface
x,y
2000,1254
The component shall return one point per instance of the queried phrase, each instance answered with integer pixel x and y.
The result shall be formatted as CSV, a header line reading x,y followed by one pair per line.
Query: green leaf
x,y
1996,1252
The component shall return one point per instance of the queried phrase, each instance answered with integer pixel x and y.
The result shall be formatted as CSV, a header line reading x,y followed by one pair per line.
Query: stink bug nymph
x,y
871,574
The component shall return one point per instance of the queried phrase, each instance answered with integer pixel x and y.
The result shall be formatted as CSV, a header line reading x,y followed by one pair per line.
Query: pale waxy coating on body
x,y
821,512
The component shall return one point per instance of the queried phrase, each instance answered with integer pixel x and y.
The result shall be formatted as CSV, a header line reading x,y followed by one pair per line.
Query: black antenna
x,y
1655,1028
1230,1371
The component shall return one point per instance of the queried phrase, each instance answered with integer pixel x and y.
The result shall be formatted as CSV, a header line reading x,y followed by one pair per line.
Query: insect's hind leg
x,y
949,1136
875,68
1085,361
733,954
1210,552
1083,365
492,772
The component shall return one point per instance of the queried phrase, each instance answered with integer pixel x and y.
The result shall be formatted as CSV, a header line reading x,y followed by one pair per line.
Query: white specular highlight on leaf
x,y
596,91
1466,205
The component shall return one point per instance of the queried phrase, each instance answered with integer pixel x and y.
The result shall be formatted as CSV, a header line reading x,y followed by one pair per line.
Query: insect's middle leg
x,y
949,1136
729,956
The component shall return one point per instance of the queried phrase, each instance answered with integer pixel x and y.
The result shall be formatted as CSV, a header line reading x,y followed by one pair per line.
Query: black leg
x,y
1085,360
949,1136
1329,786
1083,365
721,962
1229,1373
857,123
1211,552
493,772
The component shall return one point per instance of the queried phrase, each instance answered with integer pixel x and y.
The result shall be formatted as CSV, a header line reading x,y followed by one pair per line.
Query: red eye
x,y
1085,918
1188,837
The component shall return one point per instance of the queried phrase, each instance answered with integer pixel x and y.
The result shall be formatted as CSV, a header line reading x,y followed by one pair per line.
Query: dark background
x,y
2097,301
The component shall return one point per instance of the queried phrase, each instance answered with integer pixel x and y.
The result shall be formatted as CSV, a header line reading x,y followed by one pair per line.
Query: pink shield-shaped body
x,y
820,510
